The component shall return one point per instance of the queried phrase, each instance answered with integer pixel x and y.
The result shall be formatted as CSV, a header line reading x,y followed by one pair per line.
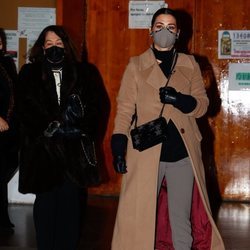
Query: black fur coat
x,y
8,139
42,165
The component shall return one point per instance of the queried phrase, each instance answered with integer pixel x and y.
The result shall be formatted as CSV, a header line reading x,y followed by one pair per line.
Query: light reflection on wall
x,y
236,212
239,187
235,102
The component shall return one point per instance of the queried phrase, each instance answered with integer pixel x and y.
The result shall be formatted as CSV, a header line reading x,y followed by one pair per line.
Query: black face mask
x,y
54,54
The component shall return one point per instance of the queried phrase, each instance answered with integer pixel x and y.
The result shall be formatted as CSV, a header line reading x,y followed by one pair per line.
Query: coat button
x,y
182,130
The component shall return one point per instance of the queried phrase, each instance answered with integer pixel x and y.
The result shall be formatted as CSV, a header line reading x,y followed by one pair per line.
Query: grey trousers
x,y
180,178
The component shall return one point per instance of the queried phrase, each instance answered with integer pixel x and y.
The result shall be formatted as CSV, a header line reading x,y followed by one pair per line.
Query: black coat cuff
x,y
119,144
185,103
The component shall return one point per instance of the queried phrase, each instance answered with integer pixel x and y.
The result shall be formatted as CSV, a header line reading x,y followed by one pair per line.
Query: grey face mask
x,y
164,38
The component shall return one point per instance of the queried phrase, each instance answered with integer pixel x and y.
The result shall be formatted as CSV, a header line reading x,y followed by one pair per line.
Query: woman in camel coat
x,y
143,219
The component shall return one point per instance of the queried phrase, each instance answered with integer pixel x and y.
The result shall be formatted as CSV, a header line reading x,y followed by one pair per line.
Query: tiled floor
x,y
233,223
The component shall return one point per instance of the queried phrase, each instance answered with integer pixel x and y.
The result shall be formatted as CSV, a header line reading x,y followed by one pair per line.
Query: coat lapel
x,y
151,71
48,88
154,76
68,83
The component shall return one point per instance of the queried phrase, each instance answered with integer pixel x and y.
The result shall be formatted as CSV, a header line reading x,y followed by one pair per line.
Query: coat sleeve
x,y
4,93
126,100
198,91
92,100
31,114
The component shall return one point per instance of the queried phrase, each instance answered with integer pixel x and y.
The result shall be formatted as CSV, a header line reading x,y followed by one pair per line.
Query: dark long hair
x,y
37,53
166,11
3,38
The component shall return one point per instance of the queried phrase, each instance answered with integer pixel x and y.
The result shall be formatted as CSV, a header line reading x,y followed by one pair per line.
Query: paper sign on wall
x,y
239,76
31,21
141,12
233,44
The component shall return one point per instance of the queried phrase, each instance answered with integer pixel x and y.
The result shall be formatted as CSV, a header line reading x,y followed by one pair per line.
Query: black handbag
x,y
149,134
153,132
71,147
90,166
87,172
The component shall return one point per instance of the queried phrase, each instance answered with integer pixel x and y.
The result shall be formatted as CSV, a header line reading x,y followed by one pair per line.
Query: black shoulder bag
x,y
87,174
153,132
69,145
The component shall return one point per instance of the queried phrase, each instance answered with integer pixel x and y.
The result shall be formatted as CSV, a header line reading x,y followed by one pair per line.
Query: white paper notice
x,y
233,44
31,21
141,12
239,76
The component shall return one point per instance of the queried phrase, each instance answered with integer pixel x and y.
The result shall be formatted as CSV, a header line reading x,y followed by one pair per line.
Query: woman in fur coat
x,y
57,103
163,200
8,132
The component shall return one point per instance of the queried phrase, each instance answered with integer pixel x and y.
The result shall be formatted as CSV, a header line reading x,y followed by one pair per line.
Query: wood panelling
x,y
230,126
72,14
225,130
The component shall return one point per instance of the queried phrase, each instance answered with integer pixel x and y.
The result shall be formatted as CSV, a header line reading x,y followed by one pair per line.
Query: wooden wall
x,y
230,124
103,25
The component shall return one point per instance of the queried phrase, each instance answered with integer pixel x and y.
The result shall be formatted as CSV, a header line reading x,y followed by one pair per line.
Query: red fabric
x,y
201,227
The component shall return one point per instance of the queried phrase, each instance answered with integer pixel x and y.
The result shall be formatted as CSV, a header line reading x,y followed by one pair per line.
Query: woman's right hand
x,y
4,126
118,147
119,164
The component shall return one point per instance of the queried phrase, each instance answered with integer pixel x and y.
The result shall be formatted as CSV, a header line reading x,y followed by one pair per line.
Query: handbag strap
x,y
93,161
135,117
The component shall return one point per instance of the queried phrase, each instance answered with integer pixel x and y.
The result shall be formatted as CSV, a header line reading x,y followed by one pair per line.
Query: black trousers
x,y
58,217
8,168
4,215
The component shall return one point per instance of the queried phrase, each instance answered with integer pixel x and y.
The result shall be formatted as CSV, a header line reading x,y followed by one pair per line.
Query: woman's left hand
x,y
168,95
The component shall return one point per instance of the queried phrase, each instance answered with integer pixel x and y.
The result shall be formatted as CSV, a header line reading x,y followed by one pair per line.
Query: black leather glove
x,y
74,110
52,129
119,164
119,147
168,95
56,129
185,103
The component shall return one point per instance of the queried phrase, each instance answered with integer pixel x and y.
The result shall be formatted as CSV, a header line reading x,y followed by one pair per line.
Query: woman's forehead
x,y
51,35
166,19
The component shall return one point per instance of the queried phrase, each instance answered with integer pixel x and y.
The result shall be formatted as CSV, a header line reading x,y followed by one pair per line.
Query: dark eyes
x,y
161,26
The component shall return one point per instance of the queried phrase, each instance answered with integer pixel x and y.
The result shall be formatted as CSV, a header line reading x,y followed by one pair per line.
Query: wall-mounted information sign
x,y
141,12
233,44
239,76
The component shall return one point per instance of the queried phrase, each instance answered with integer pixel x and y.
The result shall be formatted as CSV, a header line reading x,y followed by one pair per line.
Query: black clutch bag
x,y
149,134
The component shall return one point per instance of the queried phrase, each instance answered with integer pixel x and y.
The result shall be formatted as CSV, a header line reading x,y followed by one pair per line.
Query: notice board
x,y
9,18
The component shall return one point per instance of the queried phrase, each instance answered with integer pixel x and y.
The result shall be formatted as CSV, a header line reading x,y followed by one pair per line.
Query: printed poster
x,y
31,21
239,76
141,13
233,44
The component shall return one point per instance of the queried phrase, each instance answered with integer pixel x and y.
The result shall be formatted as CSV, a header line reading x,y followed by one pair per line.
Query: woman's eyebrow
x,y
165,24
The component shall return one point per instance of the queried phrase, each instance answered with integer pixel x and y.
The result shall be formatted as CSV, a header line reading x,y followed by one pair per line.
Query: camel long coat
x,y
136,215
